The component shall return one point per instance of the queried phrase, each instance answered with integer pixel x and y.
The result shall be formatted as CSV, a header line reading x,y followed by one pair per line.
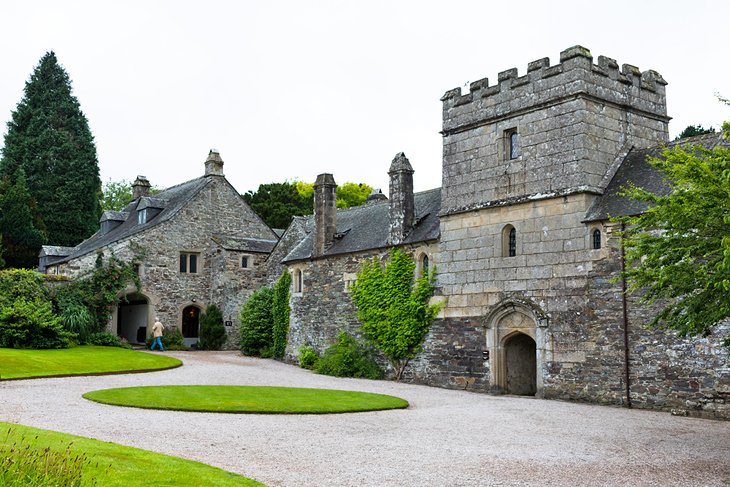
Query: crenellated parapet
x,y
575,75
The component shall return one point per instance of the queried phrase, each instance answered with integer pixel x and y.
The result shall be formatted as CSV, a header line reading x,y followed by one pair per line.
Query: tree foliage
x,y
277,203
257,323
678,251
20,226
49,137
692,130
212,330
394,308
280,314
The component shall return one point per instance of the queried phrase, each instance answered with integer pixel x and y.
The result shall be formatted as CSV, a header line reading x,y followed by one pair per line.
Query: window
x,y
512,143
509,241
596,239
189,262
298,281
424,265
245,262
142,216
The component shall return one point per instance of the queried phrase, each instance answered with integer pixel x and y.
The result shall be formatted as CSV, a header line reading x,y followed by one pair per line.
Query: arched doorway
x,y
521,365
190,324
132,318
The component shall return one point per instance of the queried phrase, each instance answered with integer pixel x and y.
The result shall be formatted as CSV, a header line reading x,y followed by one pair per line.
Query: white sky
x,y
290,89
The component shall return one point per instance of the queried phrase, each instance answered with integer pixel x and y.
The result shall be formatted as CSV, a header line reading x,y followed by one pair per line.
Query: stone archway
x,y
132,318
516,340
520,360
191,324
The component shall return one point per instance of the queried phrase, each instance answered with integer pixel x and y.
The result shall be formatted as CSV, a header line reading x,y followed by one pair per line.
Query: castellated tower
x,y
554,131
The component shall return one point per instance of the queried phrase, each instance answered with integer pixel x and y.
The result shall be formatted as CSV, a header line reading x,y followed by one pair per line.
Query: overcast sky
x,y
289,89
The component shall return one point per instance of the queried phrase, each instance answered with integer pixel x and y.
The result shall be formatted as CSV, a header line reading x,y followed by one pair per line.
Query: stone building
x,y
527,257
194,244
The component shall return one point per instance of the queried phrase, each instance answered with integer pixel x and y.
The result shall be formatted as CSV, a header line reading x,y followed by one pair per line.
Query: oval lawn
x,y
246,399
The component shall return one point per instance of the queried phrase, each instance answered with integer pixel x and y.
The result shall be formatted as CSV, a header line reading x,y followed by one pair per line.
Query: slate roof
x,y
244,244
367,227
171,200
635,169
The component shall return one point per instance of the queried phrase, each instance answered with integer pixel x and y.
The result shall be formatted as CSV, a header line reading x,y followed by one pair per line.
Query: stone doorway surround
x,y
132,319
506,322
190,324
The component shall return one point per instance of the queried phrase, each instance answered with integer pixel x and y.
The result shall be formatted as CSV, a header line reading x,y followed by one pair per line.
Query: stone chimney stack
x,y
375,196
214,164
140,187
401,209
325,208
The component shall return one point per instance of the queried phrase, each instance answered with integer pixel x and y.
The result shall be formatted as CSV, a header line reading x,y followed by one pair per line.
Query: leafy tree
x,y
679,249
49,137
693,130
280,314
257,323
21,238
115,195
393,307
277,203
352,194
212,330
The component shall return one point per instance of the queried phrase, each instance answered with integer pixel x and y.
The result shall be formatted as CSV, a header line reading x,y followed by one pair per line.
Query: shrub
x,y
172,339
257,322
106,339
347,357
32,324
212,331
77,319
308,357
21,283
280,314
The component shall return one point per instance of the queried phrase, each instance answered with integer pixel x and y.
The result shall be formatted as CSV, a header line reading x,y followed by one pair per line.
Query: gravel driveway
x,y
445,438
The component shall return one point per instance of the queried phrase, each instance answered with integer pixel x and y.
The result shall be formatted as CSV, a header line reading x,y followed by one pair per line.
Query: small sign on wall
x,y
229,323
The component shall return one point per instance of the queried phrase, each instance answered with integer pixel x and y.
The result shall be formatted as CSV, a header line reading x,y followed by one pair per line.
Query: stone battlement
x,y
576,74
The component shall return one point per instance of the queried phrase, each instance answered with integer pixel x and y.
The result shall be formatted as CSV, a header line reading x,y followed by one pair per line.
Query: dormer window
x,y
142,216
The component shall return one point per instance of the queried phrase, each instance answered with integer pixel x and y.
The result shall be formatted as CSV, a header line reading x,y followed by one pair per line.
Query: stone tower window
x,y
512,143
189,262
509,241
596,239
298,281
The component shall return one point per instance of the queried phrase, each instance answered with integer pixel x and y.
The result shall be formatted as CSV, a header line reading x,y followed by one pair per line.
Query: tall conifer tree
x,y
49,138
21,237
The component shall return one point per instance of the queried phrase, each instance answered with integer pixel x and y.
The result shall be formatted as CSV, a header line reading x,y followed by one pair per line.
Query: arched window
x,y
596,239
509,241
424,265
298,281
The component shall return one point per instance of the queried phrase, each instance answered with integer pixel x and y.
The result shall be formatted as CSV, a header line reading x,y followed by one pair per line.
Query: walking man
x,y
157,332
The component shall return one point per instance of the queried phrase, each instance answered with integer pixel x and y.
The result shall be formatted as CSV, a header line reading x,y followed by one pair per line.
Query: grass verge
x,y
246,399
102,463
83,360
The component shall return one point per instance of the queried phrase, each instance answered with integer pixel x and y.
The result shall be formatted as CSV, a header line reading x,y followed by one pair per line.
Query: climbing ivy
x,y
280,312
394,308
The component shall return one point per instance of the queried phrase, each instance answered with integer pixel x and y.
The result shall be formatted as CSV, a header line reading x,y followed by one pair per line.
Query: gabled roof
x,y
171,201
636,170
367,227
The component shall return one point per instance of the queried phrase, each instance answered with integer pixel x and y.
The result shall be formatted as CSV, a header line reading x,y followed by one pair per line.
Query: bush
x,y
257,323
280,314
106,339
32,324
347,357
308,357
21,283
77,319
212,331
172,339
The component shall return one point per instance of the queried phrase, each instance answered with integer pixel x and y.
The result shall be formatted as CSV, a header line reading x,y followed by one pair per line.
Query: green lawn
x,y
83,360
116,465
246,399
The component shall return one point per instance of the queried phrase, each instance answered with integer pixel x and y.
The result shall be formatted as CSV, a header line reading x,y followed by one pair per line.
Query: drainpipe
x,y
624,304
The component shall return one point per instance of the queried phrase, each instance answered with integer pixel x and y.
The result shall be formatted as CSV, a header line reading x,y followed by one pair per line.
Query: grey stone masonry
x,y
214,164
401,209
325,213
140,187
574,121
